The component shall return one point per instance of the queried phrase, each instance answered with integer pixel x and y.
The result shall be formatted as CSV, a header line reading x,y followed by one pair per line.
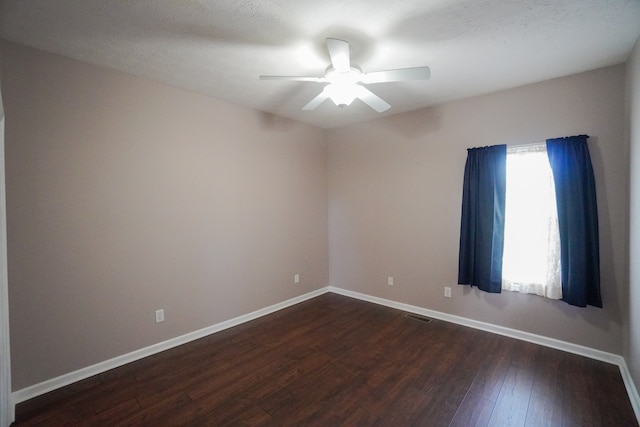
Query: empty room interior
x,y
198,230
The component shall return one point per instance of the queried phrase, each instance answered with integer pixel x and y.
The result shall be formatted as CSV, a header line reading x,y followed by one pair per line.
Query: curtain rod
x,y
530,144
533,144
539,144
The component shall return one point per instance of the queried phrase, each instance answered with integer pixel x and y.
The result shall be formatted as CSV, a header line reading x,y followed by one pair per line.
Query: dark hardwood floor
x,y
336,361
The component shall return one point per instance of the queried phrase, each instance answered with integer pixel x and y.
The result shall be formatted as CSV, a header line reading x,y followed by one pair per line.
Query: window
x,y
531,257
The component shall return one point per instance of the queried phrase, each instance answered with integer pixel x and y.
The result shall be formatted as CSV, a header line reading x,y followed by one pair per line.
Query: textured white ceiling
x,y
220,47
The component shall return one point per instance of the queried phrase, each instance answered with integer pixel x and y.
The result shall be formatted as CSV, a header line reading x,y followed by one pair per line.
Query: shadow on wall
x,y
418,123
594,316
609,283
273,122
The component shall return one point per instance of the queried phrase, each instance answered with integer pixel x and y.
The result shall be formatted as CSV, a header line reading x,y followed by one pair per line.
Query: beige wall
x,y
126,196
395,189
632,347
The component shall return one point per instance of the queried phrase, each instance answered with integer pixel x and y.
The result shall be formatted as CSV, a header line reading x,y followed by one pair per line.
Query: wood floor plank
x,y
544,413
339,406
613,398
111,416
578,407
234,411
445,398
474,411
405,410
57,398
188,414
513,401
545,405
452,378
493,369
335,361
290,374
155,414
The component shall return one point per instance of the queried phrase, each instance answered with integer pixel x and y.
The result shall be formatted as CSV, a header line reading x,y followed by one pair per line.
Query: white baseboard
x,y
489,327
592,353
632,391
66,379
81,374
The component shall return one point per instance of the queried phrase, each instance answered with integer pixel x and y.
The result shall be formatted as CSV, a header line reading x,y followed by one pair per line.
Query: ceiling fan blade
x,y
339,53
416,73
372,100
295,78
322,96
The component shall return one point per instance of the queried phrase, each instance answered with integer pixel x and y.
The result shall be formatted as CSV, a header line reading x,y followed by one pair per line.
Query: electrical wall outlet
x,y
160,315
296,278
447,292
390,280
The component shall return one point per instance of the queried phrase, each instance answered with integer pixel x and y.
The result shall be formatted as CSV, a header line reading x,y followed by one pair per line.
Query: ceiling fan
x,y
345,81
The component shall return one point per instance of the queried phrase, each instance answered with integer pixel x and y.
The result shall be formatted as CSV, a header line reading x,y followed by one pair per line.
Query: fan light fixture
x,y
342,87
341,93
344,79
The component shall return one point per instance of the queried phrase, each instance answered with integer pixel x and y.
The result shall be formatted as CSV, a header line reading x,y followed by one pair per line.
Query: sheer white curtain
x,y
531,260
